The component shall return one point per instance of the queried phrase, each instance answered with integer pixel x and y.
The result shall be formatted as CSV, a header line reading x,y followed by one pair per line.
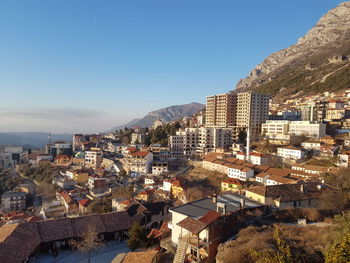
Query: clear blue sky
x,y
84,66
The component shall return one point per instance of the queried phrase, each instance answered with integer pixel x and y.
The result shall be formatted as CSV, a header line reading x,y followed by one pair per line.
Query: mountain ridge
x,y
329,38
171,113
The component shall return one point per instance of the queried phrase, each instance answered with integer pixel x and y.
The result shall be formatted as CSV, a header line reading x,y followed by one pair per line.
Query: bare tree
x,y
87,242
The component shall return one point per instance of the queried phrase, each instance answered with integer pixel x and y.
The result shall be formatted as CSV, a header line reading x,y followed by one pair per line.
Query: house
x,y
290,153
138,163
231,184
80,176
64,183
13,201
159,167
197,228
177,188
23,242
240,172
69,203
146,195
329,150
148,214
97,186
277,180
93,158
344,159
301,195
328,140
311,145
83,205
62,160
151,181
259,158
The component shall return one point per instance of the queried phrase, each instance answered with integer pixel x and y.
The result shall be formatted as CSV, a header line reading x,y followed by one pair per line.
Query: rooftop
x,y
201,207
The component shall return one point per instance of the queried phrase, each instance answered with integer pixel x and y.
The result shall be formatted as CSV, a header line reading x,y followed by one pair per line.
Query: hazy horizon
x,y
86,66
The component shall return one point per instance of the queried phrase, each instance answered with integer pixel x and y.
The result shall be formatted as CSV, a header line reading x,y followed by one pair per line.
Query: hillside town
x,y
191,184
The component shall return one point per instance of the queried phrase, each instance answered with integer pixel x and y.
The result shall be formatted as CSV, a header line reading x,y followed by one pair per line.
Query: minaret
x,y
49,137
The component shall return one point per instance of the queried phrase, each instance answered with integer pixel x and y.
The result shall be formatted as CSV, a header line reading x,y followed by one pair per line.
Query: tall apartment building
x,y
252,110
192,141
238,111
220,110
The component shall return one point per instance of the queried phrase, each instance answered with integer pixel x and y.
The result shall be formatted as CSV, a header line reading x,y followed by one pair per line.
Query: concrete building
x,y
138,163
252,110
307,128
97,186
220,110
93,158
13,201
290,153
192,141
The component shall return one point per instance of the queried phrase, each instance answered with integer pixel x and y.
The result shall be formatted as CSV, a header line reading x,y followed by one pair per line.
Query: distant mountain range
x,y
171,113
31,139
318,62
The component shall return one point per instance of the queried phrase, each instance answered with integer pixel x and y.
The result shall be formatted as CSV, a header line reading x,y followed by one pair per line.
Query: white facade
x,y
307,128
191,141
93,158
290,153
240,172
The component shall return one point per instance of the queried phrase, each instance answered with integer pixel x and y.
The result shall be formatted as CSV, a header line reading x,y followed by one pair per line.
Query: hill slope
x,y
323,51
171,113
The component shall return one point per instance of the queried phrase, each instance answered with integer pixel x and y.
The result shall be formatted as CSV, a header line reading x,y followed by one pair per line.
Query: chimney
x,y
242,204
302,188
214,198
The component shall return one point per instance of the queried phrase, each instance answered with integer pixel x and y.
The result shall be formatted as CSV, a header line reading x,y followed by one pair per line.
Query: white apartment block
x,y
93,158
138,163
191,141
307,128
239,172
290,153
282,130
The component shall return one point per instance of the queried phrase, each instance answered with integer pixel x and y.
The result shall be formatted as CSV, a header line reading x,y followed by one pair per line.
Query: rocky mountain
x,y
31,139
321,55
171,113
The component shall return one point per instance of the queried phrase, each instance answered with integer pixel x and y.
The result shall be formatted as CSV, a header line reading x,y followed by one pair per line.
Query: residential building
x,y
97,186
220,110
231,185
138,163
290,153
80,176
239,172
159,168
93,158
251,111
78,140
307,128
59,148
13,201
344,159
202,225
192,141
311,145
62,160
301,195
337,114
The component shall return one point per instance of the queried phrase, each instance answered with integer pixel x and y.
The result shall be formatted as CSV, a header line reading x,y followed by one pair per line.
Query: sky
x,y
86,66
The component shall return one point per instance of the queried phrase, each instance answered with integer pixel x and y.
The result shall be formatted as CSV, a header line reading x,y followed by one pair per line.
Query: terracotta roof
x,y
56,229
116,221
192,225
80,224
84,202
232,181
